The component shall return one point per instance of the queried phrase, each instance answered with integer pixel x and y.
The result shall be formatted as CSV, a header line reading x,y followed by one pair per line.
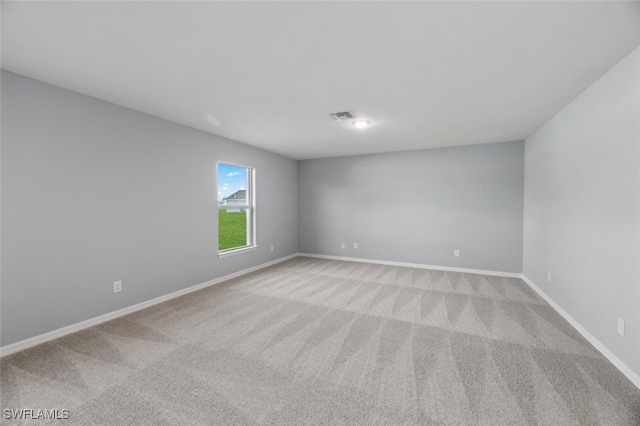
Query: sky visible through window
x,y
230,179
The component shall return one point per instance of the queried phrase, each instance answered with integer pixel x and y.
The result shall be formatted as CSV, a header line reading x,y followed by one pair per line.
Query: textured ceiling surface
x,y
425,74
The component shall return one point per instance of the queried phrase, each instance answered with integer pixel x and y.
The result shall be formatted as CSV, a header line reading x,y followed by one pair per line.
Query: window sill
x,y
232,252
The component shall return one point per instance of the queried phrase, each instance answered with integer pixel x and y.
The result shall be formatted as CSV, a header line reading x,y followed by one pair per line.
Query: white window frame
x,y
250,208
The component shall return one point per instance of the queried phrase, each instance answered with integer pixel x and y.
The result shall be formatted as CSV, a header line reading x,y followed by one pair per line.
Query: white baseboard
x,y
42,338
416,265
51,335
617,362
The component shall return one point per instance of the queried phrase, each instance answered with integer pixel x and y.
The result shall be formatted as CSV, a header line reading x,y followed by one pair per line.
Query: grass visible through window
x,y
232,228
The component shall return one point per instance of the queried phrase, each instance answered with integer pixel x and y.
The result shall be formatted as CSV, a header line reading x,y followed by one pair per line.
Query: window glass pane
x,y
232,184
234,207
232,229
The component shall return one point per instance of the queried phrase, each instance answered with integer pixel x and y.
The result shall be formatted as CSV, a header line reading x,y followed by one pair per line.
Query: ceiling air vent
x,y
340,116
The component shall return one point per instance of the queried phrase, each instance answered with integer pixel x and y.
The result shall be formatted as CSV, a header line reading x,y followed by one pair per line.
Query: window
x,y
236,218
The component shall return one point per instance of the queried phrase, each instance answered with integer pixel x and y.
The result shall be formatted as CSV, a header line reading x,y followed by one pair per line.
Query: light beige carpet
x,y
323,342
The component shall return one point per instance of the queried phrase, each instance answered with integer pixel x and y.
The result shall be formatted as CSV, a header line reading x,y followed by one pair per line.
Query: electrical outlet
x,y
621,327
456,253
271,248
549,276
342,246
117,286
355,245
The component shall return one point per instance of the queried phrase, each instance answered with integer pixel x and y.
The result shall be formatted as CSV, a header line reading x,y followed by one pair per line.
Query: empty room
x,y
349,213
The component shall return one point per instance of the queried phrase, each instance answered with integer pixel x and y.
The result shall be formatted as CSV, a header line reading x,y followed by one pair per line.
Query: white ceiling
x,y
425,74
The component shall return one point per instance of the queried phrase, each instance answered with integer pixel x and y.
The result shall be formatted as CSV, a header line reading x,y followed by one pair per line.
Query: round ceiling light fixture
x,y
361,124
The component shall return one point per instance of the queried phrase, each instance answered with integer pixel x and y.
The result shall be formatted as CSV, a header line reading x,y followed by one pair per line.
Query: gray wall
x,y
417,206
93,193
582,211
